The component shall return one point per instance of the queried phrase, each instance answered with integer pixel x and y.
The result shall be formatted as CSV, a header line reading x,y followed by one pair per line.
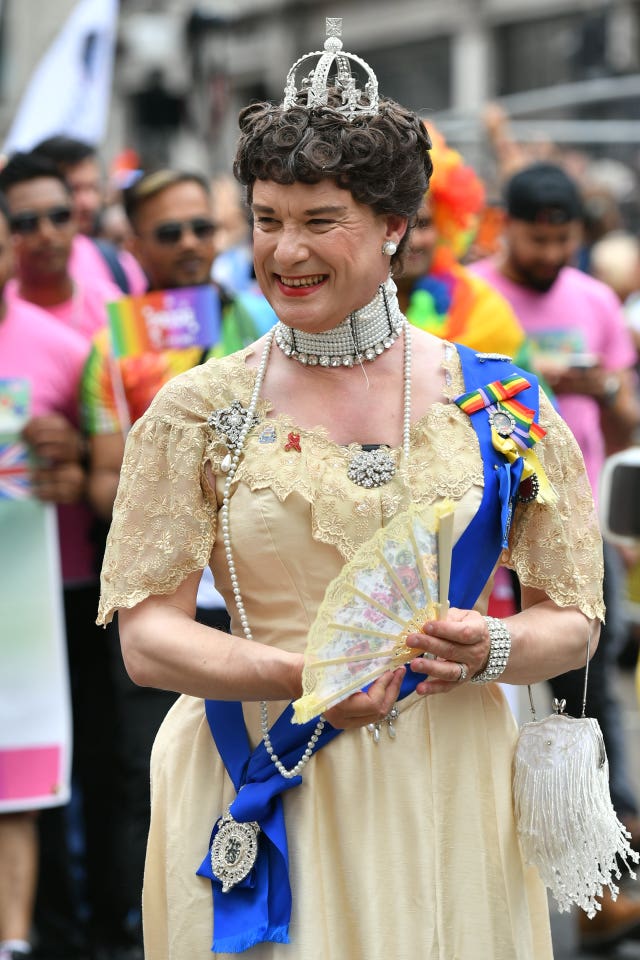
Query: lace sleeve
x,y
164,517
558,548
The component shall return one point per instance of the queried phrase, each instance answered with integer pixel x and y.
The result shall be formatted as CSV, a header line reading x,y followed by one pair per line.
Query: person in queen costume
x,y
383,828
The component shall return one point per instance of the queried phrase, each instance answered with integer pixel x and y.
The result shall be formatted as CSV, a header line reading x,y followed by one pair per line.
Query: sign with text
x,y
165,320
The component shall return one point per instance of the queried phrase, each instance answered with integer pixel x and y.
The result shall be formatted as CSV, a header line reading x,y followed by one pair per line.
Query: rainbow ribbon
x,y
498,397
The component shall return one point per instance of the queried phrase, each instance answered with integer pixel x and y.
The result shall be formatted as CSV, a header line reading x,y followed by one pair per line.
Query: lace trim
x,y
444,464
546,551
163,524
165,520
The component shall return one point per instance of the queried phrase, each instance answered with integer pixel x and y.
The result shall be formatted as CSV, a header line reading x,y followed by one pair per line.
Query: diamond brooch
x,y
234,850
372,468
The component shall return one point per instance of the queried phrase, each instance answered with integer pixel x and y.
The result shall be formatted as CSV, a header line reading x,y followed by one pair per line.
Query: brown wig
x,y
383,159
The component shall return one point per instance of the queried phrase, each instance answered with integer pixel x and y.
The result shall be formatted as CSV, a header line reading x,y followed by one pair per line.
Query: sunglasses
x,y
171,232
29,221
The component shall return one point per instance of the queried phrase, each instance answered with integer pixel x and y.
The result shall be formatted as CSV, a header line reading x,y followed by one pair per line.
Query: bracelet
x,y
498,652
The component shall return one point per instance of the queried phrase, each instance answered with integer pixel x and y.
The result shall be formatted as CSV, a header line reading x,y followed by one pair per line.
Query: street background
x,y
566,73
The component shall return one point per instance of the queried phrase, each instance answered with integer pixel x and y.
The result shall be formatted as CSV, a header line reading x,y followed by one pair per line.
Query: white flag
x,y
69,92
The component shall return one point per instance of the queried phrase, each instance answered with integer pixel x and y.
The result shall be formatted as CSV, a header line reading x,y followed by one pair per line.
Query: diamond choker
x,y
364,335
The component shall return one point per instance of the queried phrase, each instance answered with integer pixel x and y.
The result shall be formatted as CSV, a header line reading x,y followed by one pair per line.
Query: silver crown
x,y
356,102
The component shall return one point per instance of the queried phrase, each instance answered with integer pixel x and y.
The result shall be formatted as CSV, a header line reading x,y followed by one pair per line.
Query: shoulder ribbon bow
x,y
513,428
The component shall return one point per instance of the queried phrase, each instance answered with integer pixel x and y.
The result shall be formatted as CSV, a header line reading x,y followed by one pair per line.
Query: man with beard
x,y
574,323
580,344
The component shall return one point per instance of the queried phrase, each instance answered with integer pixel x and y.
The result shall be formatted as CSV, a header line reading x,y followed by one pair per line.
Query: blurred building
x,y
184,68
571,66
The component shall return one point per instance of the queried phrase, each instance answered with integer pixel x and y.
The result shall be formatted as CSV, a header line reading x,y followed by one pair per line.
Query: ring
x,y
464,673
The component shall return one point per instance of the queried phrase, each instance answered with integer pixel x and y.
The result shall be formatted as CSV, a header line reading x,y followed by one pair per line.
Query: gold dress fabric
x,y
404,850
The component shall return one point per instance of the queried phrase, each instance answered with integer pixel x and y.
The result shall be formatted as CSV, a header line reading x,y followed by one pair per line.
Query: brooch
x,y
267,434
493,356
372,468
293,442
230,422
501,421
234,850
514,431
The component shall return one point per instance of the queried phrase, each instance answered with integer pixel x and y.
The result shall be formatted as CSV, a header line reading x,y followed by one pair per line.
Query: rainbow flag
x,y
165,320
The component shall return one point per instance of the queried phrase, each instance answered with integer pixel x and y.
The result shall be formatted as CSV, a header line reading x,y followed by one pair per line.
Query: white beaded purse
x,y
566,823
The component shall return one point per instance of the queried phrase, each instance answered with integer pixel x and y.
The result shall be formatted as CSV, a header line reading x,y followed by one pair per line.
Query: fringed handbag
x,y
567,826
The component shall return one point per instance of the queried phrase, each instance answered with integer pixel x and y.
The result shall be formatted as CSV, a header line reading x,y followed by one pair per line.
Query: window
x,y
416,74
541,53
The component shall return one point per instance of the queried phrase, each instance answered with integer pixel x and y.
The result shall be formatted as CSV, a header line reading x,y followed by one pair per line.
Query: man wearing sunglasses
x,y
174,241
38,349
91,254
42,231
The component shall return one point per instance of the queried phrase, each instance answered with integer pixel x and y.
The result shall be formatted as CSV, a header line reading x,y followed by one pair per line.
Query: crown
x,y
356,102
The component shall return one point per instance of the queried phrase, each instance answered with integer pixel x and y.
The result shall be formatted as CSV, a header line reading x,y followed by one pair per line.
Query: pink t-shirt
x,y
579,315
37,348
87,263
85,312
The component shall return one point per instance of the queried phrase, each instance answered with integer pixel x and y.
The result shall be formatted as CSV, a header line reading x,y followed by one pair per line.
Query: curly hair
x,y
383,160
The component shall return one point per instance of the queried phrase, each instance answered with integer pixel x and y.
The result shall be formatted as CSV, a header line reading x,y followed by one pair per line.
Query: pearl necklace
x,y
364,335
249,422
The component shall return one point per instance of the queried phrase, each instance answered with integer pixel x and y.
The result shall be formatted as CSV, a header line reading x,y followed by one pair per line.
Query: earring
x,y
389,248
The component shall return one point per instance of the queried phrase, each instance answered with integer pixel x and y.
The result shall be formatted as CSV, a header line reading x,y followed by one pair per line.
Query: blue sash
x,y
258,909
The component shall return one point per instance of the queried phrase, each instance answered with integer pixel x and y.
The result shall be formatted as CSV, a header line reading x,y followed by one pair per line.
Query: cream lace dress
x,y
404,850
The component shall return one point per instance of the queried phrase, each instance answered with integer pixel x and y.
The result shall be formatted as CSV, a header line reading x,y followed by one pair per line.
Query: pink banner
x,y
30,773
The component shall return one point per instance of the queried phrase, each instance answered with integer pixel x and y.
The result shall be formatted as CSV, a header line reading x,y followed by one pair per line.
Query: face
x,y
174,237
85,184
537,252
317,252
42,227
421,244
6,255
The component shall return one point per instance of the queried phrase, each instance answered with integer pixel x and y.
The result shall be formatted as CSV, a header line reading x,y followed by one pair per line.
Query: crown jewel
x,y
315,82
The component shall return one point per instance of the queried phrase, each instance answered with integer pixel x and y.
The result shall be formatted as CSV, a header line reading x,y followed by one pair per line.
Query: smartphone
x,y
581,361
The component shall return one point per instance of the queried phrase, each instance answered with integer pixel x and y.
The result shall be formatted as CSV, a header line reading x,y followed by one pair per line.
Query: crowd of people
x,y
230,478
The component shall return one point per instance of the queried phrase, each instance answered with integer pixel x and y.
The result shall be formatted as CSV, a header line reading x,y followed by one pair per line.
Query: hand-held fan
x,y
393,584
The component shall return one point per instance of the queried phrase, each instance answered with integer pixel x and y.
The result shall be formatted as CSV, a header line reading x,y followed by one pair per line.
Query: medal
x,y
234,850
501,420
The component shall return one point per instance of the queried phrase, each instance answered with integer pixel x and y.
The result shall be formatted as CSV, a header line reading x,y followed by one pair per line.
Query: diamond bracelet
x,y
498,652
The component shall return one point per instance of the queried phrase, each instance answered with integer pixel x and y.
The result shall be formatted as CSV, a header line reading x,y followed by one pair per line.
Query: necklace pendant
x,y
372,468
234,850
225,466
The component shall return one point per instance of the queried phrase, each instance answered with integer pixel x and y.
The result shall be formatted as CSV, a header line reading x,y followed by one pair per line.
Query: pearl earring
x,y
389,248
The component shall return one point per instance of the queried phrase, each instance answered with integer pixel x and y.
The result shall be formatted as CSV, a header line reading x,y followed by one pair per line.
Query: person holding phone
x,y
582,347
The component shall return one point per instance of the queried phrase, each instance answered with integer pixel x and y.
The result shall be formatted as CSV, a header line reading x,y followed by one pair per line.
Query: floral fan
x,y
394,583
